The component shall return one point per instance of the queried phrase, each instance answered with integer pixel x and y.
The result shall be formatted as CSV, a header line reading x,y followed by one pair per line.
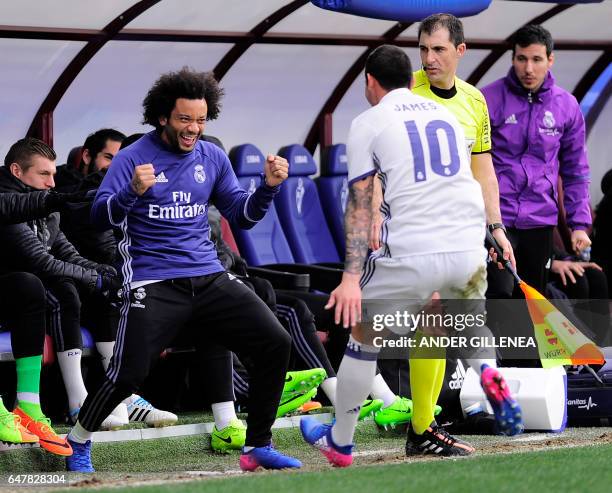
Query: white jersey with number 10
x,y
431,203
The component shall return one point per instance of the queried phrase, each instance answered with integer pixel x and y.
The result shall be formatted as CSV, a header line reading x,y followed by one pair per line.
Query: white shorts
x,y
407,284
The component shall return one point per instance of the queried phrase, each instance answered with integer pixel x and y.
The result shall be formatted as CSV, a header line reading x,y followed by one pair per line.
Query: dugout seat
x,y
333,191
6,349
74,156
300,212
265,243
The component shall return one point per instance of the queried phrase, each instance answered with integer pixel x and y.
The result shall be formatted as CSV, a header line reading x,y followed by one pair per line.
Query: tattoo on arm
x,y
357,224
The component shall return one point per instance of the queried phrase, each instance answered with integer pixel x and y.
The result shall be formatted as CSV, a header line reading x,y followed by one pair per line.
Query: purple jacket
x,y
536,137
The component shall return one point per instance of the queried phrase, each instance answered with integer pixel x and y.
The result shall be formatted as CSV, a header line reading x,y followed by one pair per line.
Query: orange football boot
x,y
48,439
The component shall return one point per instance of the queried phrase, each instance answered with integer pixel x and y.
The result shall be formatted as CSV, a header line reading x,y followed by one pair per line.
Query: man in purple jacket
x,y
538,134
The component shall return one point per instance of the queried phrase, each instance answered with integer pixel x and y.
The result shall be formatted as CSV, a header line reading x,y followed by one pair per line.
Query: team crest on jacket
x,y
548,120
198,173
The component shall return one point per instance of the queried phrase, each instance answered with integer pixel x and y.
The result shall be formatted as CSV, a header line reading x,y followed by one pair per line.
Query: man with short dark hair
x,y
441,46
39,247
96,155
403,138
538,135
156,196
23,313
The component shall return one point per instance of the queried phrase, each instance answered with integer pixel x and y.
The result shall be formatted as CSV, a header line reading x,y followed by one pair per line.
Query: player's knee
x,y
280,340
29,288
302,311
67,295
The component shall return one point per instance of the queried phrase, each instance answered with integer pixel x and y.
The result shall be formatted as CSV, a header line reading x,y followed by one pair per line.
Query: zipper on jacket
x,y
530,97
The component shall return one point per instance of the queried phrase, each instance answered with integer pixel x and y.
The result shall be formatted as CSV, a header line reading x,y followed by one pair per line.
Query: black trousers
x,y
324,320
533,249
589,297
64,313
307,351
22,311
99,316
218,309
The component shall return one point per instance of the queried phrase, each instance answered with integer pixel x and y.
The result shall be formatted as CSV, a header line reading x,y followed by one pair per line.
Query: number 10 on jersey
x,y
432,133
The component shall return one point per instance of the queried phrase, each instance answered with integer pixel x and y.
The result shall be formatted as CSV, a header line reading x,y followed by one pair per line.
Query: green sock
x,y
28,385
31,409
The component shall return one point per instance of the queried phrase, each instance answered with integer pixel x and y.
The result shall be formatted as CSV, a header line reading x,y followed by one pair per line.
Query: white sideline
x,y
188,430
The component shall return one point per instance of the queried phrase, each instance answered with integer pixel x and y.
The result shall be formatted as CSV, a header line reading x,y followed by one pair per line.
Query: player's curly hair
x,y
186,83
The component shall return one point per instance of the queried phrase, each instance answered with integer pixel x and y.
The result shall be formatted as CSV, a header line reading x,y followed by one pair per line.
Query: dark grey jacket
x,y
38,246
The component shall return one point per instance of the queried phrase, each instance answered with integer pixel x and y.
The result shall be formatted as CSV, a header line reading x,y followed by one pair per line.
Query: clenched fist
x,y
143,178
276,170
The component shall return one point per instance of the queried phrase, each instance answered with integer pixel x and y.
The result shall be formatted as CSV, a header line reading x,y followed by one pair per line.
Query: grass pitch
x,y
577,460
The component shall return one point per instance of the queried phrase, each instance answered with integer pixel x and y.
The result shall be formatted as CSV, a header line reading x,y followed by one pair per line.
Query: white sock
x,y
70,366
476,364
223,413
30,397
329,387
355,377
380,390
105,349
79,434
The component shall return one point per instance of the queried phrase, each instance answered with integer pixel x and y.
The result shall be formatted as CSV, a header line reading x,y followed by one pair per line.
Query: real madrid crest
x,y
198,173
548,120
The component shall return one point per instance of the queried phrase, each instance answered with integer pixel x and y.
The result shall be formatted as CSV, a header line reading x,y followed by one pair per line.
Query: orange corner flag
x,y
559,340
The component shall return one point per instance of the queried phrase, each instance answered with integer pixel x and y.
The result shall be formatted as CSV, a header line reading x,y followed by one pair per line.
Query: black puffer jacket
x,y
40,247
94,244
20,207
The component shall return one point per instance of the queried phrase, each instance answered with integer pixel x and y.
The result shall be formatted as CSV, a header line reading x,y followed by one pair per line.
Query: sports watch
x,y
494,226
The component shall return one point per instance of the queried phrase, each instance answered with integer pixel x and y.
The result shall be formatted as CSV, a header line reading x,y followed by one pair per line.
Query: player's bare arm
x,y
377,197
484,173
143,178
347,296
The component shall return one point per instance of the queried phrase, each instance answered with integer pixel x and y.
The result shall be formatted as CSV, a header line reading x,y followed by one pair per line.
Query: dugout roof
x,y
291,71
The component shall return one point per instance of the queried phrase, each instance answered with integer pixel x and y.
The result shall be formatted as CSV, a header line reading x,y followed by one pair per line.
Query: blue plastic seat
x,y
334,191
300,212
265,243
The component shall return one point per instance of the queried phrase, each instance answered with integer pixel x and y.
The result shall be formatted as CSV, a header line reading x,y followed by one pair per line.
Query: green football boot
x,y
398,413
300,382
369,408
12,431
231,437
290,401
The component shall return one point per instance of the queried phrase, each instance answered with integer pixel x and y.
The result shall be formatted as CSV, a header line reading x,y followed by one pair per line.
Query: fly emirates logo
x,y
181,208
